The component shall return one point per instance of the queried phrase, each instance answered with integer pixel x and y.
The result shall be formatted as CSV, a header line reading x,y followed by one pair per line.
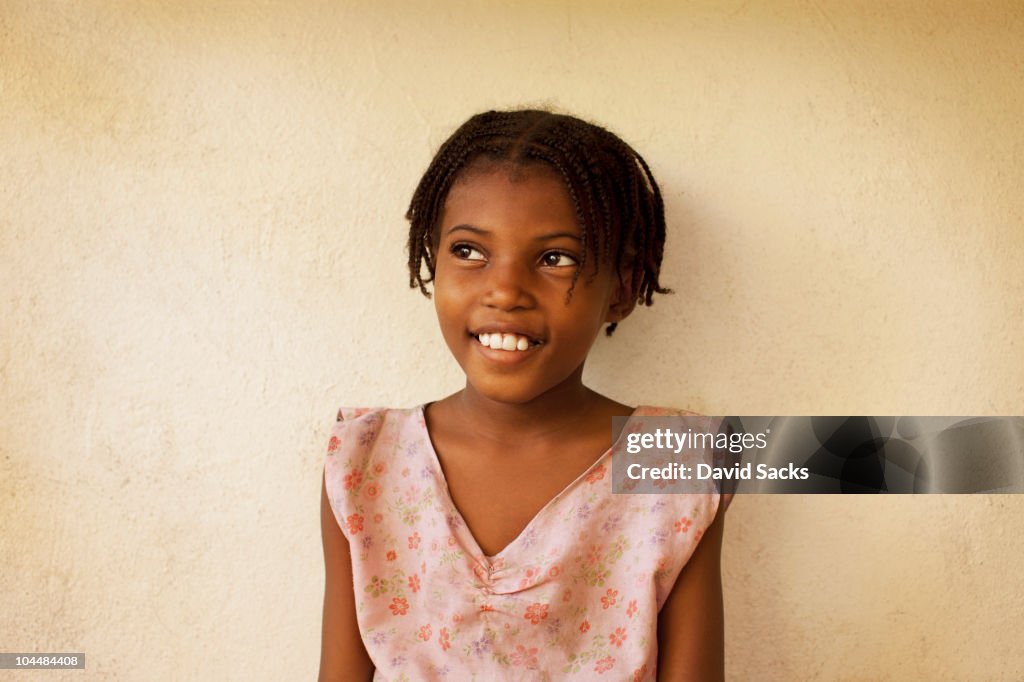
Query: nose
x,y
509,287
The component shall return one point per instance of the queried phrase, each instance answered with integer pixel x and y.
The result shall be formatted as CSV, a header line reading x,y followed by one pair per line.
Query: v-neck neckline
x,y
463,528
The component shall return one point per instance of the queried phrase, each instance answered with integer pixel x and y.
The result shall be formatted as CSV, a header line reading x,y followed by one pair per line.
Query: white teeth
x,y
508,342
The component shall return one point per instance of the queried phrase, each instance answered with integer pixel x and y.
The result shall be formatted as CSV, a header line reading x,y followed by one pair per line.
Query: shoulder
x,y
366,423
692,420
360,453
360,433
359,430
662,411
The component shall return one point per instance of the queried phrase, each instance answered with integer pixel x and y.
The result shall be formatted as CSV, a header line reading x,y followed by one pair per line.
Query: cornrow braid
x,y
617,201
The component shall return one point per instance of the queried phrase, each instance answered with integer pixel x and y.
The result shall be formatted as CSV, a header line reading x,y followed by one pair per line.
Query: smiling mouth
x,y
507,342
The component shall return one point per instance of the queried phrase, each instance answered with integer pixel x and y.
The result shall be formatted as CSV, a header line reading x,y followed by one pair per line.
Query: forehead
x,y
523,199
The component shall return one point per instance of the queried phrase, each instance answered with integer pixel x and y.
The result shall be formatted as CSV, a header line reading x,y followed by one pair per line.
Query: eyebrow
x,y
539,238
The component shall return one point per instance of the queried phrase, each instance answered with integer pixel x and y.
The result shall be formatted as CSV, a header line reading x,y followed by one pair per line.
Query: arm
x,y
342,654
691,625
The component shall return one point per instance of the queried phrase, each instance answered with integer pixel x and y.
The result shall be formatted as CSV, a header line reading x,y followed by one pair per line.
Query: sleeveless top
x,y
574,597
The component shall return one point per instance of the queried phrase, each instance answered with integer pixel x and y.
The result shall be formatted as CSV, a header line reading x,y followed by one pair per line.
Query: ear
x,y
623,300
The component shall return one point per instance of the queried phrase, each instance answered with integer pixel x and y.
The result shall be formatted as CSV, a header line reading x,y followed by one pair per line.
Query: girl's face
x,y
507,250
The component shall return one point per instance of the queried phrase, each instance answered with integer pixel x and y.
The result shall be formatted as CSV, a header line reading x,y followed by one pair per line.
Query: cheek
x,y
448,306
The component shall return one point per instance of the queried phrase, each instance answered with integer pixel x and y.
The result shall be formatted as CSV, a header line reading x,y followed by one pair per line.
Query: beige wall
x,y
201,242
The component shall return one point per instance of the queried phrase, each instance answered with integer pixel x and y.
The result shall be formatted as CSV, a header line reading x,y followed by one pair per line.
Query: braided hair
x,y
617,201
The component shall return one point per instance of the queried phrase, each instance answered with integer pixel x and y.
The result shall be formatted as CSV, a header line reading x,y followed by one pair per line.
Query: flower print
x,y
367,541
536,612
639,673
414,583
456,618
604,665
486,607
442,639
353,479
595,554
609,598
332,446
411,493
529,538
391,555
658,536
525,657
377,518
596,475
698,535
531,576
554,626
425,632
398,606
367,436
481,646
380,637
657,506
398,661
405,472
612,524
583,512
585,626
554,571
414,541
371,490
567,596
410,517
379,468
617,637
355,523
631,609
377,586
683,525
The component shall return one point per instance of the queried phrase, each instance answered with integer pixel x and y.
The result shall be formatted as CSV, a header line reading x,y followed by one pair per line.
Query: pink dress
x,y
574,597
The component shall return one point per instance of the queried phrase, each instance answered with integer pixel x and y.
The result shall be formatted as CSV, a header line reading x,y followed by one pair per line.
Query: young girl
x,y
477,537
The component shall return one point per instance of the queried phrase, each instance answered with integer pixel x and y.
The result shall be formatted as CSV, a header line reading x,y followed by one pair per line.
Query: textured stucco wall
x,y
201,256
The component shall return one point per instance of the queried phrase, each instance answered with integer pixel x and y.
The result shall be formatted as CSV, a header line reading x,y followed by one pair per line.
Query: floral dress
x,y
574,597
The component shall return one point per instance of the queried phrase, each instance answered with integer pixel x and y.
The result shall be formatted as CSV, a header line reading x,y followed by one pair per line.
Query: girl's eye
x,y
466,252
557,259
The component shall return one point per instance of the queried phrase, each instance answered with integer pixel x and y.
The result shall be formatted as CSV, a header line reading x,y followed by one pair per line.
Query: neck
x,y
559,409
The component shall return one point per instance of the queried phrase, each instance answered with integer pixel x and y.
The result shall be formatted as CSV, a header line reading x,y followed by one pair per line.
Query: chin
x,y
508,397
507,392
